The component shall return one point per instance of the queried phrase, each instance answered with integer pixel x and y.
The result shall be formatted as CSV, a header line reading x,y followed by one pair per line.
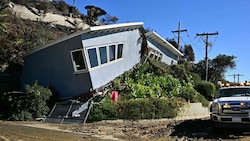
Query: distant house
x,y
85,61
161,50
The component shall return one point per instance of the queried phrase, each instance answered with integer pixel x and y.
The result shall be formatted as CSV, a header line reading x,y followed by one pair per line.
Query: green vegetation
x,y
217,67
154,108
150,92
148,81
207,89
26,106
3,5
153,90
135,109
103,110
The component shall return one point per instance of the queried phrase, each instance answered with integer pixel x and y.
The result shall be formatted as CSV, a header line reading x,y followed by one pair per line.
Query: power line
x,y
190,40
207,44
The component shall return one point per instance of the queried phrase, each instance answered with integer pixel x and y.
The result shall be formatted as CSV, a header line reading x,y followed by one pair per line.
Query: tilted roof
x,y
159,40
95,29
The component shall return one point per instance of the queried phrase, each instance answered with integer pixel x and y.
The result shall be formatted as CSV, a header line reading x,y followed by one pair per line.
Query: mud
x,y
119,130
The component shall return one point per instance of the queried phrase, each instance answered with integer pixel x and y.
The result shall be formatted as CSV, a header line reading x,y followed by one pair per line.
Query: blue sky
x,y
230,18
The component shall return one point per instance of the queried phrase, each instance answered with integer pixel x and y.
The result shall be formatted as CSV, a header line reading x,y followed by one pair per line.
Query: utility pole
x,y
207,44
179,34
233,76
238,76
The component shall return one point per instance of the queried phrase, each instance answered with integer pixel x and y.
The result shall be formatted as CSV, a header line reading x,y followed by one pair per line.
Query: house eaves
x,y
94,29
159,40
116,27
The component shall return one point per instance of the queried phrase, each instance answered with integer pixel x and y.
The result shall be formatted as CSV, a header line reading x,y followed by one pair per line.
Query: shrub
x,y
146,82
103,110
63,7
188,93
135,109
207,89
31,105
164,109
43,6
203,100
143,83
129,110
96,113
179,72
148,109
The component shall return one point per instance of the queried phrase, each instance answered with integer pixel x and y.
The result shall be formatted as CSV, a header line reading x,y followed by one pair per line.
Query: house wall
x,y
53,66
167,56
101,75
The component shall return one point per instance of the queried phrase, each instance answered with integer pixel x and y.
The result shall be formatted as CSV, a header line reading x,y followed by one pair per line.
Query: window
x,y
93,57
103,54
78,61
119,51
155,55
160,56
111,52
237,91
151,55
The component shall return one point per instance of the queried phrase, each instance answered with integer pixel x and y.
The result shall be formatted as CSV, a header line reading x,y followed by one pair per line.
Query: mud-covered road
x,y
144,130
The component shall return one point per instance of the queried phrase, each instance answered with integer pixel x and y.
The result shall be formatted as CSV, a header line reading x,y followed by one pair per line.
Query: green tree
x,y
216,67
189,53
107,19
173,42
94,13
3,5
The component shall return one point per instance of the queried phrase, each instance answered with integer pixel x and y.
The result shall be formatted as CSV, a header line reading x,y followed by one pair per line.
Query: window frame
x,y
156,55
73,61
118,53
114,52
96,57
98,54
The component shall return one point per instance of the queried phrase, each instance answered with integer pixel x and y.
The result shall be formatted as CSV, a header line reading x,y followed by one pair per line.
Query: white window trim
x,y
156,54
98,55
73,62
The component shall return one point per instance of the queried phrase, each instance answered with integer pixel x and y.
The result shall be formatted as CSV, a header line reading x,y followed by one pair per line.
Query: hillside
x,y
28,28
52,16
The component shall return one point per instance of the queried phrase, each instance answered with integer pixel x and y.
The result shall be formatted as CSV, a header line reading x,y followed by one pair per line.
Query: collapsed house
x,y
86,61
